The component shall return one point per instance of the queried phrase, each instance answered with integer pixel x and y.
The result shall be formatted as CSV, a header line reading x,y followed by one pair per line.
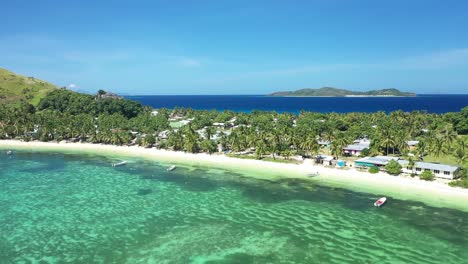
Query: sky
x,y
238,47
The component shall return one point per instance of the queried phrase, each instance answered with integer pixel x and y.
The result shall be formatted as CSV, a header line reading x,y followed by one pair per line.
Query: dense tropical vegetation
x,y
66,115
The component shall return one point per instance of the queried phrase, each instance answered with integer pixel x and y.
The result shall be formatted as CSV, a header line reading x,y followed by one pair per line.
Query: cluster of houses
x,y
355,149
439,170
359,145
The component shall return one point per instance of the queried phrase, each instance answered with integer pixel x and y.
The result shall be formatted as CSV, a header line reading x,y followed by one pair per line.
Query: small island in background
x,y
335,92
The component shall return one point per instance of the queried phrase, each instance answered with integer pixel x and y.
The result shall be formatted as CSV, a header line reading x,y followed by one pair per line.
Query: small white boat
x,y
380,201
9,152
119,164
171,168
314,174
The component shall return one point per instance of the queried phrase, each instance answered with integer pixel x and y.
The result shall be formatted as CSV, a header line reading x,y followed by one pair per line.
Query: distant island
x,y
330,91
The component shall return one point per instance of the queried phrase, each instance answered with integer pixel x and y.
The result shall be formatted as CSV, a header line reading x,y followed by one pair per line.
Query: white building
x,y
439,170
358,146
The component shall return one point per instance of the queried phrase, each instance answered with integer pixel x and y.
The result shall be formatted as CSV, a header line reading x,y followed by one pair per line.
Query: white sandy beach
x,y
432,193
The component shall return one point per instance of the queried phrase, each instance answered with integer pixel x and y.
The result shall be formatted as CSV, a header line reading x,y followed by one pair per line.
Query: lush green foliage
x,y
74,103
459,183
373,169
17,88
427,176
393,167
264,135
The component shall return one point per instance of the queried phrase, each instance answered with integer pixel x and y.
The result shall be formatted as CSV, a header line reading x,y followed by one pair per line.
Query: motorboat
x,y
119,164
314,174
171,168
9,152
380,202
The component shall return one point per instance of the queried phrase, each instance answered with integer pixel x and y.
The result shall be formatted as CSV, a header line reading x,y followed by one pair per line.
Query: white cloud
x,y
436,60
189,62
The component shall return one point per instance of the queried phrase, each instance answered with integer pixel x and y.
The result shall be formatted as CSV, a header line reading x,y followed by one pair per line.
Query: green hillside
x,y
330,91
15,87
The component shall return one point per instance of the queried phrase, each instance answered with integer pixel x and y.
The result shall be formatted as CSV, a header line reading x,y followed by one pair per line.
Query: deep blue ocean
x,y
247,103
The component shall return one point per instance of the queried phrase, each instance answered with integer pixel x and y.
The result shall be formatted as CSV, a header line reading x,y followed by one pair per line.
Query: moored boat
x,y
119,164
380,201
9,152
171,168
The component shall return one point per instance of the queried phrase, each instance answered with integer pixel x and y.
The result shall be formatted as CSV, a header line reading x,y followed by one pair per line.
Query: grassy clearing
x,y
14,87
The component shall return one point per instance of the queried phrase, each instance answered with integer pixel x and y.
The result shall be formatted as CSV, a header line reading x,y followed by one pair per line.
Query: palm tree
x,y
460,152
209,132
385,136
449,136
341,141
274,142
400,142
421,149
437,146
260,149
310,145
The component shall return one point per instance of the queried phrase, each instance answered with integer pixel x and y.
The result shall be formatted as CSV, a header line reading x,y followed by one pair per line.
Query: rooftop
x,y
430,166
356,147
378,160
412,142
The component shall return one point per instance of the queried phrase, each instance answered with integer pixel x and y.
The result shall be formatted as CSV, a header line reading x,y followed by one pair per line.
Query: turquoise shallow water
x,y
57,208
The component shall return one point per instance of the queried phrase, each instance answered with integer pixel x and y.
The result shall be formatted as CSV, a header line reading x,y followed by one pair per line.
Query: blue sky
x,y
238,47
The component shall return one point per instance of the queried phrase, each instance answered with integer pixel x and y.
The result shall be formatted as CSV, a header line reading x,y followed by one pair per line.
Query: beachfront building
x,y
439,170
357,148
378,161
324,160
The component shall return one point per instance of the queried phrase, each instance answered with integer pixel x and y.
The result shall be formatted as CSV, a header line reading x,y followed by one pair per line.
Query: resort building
x,y
356,148
377,161
439,170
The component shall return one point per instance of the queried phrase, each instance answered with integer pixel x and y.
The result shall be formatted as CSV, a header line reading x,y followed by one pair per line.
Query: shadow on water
x,y
193,180
243,258
443,223
47,162
143,192
447,224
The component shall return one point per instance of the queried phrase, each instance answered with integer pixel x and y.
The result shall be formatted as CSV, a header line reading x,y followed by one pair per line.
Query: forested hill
x,y
74,103
330,91
15,87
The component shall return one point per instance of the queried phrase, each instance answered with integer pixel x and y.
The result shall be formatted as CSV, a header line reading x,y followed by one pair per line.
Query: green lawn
x,y
15,87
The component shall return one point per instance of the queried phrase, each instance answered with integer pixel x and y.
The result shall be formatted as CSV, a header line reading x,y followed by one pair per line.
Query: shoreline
x,y
435,194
